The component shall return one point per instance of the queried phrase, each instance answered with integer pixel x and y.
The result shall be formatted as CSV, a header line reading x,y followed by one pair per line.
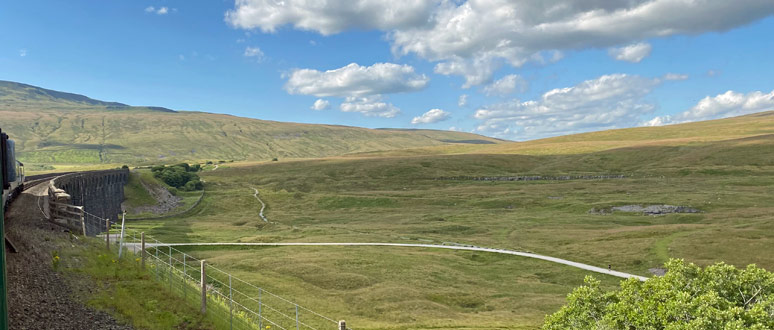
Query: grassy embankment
x,y
128,292
139,199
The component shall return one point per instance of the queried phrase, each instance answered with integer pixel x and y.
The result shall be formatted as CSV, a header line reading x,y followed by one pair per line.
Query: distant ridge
x,y
56,127
25,92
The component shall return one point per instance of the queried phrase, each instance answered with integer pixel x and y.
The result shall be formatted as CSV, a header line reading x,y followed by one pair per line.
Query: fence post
x,y
204,288
83,222
170,268
185,274
296,317
230,302
142,243
107,233
260,319
156,260
342,325
121,238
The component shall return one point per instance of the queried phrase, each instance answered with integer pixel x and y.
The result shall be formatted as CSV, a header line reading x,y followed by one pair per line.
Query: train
x,y
12,169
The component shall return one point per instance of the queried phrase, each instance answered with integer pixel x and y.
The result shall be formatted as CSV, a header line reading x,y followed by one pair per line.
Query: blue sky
x,y
528,70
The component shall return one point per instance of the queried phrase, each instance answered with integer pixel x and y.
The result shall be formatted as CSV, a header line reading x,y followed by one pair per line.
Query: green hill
x,y
56,127
712,135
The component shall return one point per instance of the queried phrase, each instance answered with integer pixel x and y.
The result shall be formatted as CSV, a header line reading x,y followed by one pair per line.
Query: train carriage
x,y
12,169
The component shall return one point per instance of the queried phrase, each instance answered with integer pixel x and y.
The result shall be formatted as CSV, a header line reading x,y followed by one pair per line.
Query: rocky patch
x,y
645,210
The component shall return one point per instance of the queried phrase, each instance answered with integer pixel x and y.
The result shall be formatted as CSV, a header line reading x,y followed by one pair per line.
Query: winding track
x,y
263,205
432,246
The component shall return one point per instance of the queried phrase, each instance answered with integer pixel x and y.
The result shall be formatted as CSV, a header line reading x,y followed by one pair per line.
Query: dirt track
x,y
38,296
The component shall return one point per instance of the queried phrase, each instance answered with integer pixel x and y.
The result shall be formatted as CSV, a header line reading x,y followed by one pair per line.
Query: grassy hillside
x,y
744,130
55,127
724,168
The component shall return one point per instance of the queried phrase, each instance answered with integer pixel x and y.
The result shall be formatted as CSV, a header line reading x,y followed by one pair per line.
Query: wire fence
x,y
233,302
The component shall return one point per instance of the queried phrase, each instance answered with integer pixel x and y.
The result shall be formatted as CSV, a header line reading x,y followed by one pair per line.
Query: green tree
x,y
719,296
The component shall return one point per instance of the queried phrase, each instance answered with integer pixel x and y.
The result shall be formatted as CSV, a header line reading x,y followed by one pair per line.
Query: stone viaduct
x,y
99,192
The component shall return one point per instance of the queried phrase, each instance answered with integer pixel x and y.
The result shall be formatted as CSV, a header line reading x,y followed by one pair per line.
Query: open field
x,y
401,199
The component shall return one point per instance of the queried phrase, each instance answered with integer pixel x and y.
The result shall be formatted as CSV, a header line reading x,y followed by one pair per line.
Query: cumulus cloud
x,y
610,101
371,106
329,17
356,80
320,104
23,52
157,11
632,53
432,116
506,85
728,104
462,101
474,37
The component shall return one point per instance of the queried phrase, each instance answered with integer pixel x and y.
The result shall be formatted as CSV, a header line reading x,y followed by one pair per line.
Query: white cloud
x,y
610,101
23,52
320,104
356,80
476,71
431,116
462,101
728,104
632,53
329,17
675,76
371,106
454,129
506,85
473,38
255,53
158,11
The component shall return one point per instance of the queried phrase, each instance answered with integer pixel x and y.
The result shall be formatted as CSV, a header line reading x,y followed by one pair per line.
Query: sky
x,y
516,70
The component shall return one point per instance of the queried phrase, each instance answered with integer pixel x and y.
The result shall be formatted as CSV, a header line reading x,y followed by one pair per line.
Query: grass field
x,y
403,197
399,199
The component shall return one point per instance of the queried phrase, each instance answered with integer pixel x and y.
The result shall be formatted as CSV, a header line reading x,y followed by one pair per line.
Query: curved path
x,y
263,206
435,246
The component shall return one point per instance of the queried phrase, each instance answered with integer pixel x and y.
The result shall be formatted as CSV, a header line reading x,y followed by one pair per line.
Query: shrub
x,y
687,297
178,176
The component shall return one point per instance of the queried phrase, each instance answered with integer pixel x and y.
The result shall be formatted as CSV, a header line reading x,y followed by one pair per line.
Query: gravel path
x,y
263,205
38,296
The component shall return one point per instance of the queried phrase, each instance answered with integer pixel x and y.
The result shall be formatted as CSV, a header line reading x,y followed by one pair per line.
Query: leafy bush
x,y
179,176
687,297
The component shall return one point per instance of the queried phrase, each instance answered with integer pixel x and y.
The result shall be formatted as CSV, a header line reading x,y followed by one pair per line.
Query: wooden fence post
x,y
107,233
342,325
83,222
204,288
142,251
